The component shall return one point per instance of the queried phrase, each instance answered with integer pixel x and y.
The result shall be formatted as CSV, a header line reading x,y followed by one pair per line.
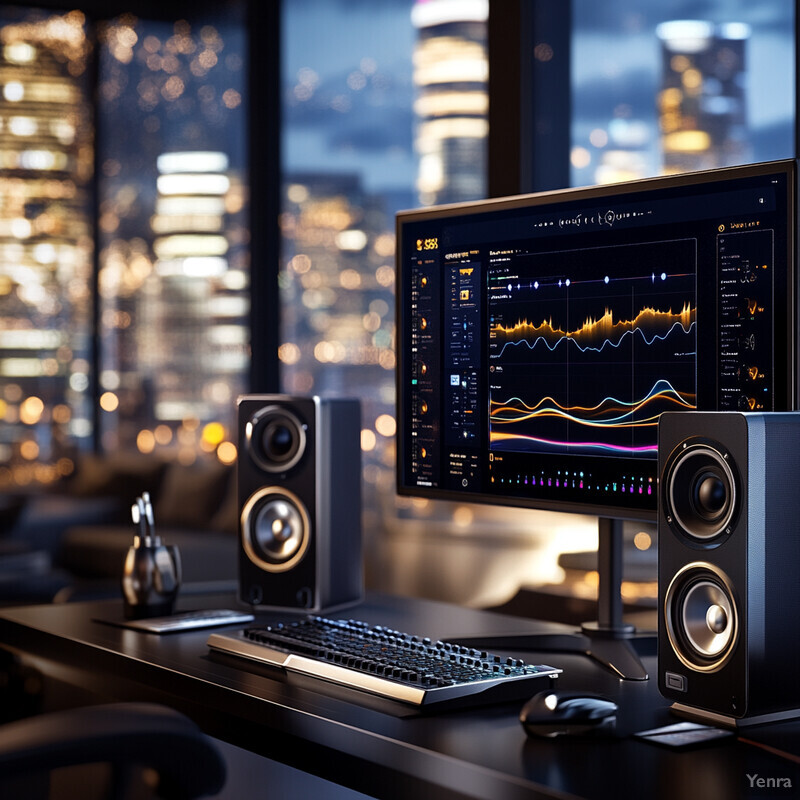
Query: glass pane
x,y
169,129
384,108
655,92
172,229
45,244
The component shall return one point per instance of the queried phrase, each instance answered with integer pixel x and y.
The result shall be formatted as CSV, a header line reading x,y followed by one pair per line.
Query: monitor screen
x,y
540,337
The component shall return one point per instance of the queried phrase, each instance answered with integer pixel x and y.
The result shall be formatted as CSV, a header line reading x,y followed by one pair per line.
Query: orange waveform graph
x,y
596,333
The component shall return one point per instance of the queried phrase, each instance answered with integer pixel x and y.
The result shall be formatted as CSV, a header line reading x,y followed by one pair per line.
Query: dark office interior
x,y
366,315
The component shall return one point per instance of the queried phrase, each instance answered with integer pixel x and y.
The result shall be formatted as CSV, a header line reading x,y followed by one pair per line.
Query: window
x,y
174,299
124,243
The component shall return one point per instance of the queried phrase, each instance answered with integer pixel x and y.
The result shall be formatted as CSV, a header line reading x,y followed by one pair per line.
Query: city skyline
x,y
354,103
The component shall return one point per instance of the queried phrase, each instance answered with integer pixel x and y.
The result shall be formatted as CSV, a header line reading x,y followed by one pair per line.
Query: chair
x,y
134,739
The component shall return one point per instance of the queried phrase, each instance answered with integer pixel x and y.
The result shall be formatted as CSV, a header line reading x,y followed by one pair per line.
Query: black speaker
x,y
729,565
299,487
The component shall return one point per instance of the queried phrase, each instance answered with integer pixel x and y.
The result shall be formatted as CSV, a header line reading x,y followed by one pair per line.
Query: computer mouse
x,y
564,713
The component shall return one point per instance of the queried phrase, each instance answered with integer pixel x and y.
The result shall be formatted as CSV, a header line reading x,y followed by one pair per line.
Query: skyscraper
x,y
702,103
45,245
451,74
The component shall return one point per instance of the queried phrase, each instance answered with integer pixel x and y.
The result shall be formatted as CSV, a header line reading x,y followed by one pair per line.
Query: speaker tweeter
x,y
275,438
700,490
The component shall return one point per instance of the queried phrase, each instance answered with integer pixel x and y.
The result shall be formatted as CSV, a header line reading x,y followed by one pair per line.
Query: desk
x,y
336,734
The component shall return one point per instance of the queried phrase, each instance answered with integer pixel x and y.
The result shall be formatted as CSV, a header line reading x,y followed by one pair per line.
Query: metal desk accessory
x,y
152,573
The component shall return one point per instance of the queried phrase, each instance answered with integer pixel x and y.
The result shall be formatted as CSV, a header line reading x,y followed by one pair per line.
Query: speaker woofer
x,y
275,529
275,438
700,492
700,612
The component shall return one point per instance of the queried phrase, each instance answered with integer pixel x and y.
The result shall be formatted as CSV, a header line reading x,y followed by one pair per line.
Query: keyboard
x,y
384,662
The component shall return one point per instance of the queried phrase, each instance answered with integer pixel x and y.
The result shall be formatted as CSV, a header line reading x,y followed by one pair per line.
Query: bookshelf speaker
x,y
729,565
299,491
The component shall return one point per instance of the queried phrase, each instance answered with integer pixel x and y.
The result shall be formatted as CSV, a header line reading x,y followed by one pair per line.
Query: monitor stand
x,y
608,640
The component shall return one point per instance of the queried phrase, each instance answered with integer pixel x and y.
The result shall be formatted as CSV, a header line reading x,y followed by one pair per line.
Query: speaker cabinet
x,y
729,565
299,488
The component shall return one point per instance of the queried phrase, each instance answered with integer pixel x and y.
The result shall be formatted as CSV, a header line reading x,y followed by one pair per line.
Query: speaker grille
x,y
701,617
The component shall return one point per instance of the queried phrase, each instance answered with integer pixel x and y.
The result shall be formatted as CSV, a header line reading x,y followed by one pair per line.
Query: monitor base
x,y
607,641
612,649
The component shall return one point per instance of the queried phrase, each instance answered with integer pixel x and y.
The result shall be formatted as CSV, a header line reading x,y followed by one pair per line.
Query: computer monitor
x,y
540,337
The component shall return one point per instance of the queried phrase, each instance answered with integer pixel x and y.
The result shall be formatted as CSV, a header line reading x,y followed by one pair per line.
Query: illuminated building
x,y
45,245
193,333
451,73
701,104
174,271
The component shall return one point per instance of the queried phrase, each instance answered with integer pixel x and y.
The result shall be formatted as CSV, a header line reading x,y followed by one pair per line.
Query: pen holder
x,y
152,573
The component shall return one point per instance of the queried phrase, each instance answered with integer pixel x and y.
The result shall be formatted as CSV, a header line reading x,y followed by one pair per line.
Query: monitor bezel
x,y
555,198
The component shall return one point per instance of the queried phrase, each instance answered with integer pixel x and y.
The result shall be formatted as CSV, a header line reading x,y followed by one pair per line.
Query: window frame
x,y
529,98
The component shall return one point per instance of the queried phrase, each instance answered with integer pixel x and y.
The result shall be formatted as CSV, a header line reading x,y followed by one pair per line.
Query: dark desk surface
x,y
359,742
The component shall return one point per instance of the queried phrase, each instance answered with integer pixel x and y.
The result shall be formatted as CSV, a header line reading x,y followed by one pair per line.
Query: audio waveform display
x,y
595,334
586,448
586,367
609,413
